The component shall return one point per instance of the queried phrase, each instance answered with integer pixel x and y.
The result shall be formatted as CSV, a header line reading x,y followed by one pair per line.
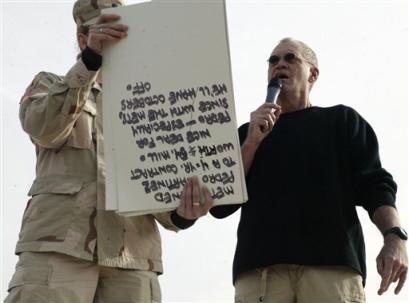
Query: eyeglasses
x,y
288,57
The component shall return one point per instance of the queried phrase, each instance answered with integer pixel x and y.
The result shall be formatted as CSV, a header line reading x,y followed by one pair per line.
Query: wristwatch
x,y
399,231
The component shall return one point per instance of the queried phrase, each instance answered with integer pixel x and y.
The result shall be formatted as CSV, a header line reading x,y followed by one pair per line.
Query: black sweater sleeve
x,y
181,222
373,185
224,211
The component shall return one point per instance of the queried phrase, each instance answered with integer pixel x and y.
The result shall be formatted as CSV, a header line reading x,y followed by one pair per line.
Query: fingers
x,y
104,30
108,32
392,265
380,268
208,200
265,117
114,30
103,18
397,273
195,197
386,274
190,204
402,279
181,210
188,197
379,265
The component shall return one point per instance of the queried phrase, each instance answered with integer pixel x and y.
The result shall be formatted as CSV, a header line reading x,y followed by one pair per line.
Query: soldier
x,y
70,249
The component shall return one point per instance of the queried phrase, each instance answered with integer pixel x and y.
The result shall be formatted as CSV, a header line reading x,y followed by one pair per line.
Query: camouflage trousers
x,y
300,284
49,277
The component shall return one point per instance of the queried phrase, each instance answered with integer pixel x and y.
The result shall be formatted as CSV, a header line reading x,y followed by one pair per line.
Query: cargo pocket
x,y
56,184
81,134
51,209
352,287
123,285
156,296
29,284
359,298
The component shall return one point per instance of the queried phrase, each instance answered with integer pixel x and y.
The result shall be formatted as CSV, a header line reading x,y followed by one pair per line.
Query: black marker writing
x,y
215,118
212,150
139,88
181,110
152,172
142,102
219,89
167,197
170,139
205,106
222,191
168,184
168,126
132,118
192,136
219,177
141,143
159,156
182,95
154,115
228,161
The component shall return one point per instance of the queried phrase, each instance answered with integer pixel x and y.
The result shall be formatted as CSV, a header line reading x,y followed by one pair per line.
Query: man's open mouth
x,y
282,76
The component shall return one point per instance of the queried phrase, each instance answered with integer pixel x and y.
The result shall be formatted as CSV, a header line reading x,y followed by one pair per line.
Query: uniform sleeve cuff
x,y
79,76
181,222
91,59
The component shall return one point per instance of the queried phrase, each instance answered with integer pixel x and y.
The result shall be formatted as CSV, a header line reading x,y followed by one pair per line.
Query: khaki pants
x,y
52,277
300,284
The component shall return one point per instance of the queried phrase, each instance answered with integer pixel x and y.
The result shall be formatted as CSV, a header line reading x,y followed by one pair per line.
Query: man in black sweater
x,y
307,168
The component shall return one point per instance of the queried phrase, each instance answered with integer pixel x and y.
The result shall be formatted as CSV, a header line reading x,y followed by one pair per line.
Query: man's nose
x,y
281,64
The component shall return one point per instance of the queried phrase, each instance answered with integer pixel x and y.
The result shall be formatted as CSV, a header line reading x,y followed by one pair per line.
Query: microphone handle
x,y
272,94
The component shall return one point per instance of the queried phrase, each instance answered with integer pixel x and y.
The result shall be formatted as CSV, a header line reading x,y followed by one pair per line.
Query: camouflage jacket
x,y
66,212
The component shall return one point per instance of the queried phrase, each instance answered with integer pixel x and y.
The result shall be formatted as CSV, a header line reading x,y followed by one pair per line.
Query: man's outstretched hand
x,y
195,201
392,263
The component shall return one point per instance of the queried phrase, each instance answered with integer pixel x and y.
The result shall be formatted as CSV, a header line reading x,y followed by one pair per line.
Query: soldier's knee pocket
x,y
29,284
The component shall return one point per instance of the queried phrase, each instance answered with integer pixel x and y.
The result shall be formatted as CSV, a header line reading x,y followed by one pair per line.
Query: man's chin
x,y
285,88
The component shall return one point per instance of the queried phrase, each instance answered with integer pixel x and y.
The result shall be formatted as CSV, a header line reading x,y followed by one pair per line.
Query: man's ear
x,y
82,40
314,73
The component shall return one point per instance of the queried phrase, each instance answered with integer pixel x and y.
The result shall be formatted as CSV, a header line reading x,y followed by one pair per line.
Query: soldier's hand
x,y
262,121
191,207
392,263
104,30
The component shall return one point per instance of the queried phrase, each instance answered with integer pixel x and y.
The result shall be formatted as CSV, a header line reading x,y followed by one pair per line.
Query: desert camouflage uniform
x,y
70,249
66,213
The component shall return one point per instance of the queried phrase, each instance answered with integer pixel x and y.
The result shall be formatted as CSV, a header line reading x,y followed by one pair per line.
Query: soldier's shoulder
x,y
40,84
45,79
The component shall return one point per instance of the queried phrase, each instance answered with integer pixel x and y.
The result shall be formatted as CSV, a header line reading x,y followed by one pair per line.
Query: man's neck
x,y
292,103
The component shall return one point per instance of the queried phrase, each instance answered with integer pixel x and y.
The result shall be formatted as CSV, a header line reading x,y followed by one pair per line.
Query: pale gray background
x,y
362,48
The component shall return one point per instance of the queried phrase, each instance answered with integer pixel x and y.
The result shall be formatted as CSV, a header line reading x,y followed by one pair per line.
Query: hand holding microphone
x,y
262,120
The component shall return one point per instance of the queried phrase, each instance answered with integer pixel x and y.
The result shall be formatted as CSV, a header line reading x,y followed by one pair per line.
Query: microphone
x,y
273,89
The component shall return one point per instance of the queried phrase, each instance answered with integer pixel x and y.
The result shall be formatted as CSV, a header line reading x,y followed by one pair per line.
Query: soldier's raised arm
x,y
52,104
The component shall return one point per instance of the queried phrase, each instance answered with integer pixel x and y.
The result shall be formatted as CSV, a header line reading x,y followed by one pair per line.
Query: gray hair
x,y
307,52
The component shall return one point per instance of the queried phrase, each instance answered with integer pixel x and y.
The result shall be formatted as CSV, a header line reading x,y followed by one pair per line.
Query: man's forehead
x,y
287,46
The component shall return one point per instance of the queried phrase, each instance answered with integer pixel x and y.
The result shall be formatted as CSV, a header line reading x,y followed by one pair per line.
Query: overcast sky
x,y
362,48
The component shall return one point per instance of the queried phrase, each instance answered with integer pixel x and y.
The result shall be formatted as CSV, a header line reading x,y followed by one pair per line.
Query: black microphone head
x,y
275,82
